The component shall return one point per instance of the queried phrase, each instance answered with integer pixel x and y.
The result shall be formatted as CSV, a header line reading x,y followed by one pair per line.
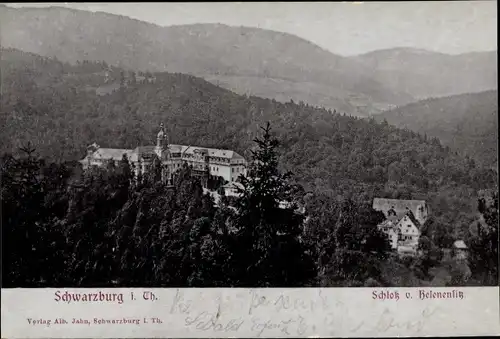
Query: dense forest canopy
x,y
468,123
62,108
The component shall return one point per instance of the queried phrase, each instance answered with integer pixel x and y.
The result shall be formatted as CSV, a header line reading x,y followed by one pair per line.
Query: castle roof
x,y
213,152
142,151
148,151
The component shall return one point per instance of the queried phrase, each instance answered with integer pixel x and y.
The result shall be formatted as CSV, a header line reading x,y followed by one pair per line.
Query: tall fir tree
x,y
484,246
269,249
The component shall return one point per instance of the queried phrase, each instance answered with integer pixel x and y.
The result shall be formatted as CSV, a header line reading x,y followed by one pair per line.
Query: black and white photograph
x,y
172,145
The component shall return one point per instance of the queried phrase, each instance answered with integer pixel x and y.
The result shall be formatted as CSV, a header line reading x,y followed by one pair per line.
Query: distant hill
x,y
425,74
246,60
467,123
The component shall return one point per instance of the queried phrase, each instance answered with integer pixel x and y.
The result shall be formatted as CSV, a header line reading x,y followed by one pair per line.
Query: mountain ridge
x,y
199,49
249,60
401,49
423,51
432,74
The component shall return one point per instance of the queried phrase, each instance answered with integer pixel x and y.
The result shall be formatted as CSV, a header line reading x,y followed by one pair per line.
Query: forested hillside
x,y
467,123
245,60
61,109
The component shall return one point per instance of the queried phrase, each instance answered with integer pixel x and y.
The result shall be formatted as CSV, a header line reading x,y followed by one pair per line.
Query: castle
x,y
204,162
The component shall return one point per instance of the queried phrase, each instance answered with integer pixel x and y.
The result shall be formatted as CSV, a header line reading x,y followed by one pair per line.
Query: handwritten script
x,y
286,302
260,313
387,321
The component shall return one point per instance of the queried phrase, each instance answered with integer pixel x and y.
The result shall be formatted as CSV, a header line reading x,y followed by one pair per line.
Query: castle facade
x,y
204,162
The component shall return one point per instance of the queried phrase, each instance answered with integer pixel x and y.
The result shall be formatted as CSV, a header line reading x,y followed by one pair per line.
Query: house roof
x,y
391,224
386,223
401,207
460,244
413,220
393,219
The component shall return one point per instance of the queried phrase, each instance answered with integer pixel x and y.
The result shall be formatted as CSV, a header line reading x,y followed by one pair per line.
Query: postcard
x,y
244,170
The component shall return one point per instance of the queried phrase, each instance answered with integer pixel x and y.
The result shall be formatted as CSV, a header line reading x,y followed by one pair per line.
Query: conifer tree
x,y
484,246
270,251
354,250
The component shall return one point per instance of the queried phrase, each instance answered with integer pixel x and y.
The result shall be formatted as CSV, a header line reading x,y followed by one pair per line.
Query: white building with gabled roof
x,y
403,222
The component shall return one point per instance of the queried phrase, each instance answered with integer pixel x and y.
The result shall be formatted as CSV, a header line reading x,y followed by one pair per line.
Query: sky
x,y
345,28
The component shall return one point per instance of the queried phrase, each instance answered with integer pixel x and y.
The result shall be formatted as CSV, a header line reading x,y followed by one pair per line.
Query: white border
x,y
231,312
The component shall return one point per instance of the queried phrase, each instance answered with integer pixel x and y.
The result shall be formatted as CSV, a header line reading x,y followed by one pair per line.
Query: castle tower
x,y
161,148
161,138
163,153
